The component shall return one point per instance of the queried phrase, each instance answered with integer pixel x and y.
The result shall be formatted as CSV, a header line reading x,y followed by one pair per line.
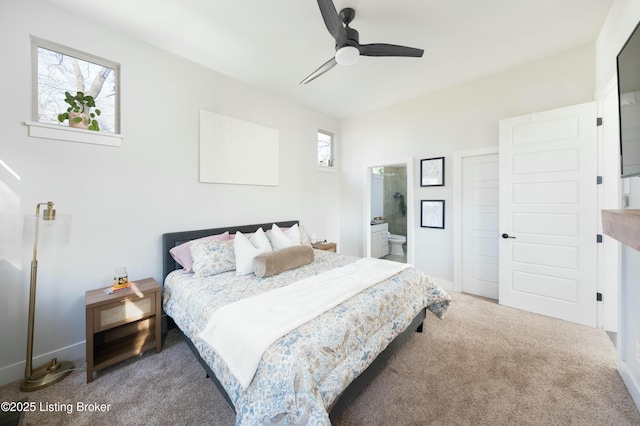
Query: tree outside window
x,y
325,149
59,69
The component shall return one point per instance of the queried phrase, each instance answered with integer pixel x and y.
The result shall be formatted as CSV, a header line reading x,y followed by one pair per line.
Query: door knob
x,y
507,236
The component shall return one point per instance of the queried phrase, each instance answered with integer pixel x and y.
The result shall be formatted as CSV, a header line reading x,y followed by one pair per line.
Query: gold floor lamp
x,y
53,371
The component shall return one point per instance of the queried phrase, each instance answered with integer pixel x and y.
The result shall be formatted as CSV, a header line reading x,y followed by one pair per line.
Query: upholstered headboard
x,y
173,239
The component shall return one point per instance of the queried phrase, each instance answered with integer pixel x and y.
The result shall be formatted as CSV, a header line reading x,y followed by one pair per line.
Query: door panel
x,y
545,255
546,224
557,192
551,287
547,129
480,225
552,161
548,169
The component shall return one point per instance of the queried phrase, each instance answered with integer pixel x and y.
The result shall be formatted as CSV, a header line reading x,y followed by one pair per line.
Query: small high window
x,y
58,69
326,155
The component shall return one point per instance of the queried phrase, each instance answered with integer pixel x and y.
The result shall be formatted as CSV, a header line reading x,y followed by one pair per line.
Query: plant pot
x,y
84,124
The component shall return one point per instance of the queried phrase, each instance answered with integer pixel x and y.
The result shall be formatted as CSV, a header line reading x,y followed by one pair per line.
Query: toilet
x,y
396,242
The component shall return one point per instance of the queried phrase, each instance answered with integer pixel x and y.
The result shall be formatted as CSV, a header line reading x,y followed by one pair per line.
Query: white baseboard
x,y
631,381
445,284
14,372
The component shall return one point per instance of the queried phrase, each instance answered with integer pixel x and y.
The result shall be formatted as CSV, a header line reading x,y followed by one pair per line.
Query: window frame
x,y
69,133
333,166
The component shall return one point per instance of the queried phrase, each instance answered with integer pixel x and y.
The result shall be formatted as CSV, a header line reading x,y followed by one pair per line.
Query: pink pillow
x,y
182,253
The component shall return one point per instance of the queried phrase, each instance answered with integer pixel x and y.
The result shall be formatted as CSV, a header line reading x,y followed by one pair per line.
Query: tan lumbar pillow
x,y
272,263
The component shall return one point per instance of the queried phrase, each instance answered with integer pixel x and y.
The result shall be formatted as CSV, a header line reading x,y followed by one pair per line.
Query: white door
x,y
548,213
480,204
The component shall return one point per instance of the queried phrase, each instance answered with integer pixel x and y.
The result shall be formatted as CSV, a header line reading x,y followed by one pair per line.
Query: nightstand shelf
x,y
122,348
122,325
332,247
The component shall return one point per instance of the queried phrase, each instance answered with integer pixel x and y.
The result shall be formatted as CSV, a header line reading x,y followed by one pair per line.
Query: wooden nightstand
x,y
325,246
122,325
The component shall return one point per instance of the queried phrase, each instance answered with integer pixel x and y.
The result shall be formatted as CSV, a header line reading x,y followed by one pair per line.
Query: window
x,y
326,155
379,171
58,69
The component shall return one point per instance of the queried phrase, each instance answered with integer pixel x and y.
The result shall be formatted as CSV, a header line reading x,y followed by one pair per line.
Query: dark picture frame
x,y
432,171
432,214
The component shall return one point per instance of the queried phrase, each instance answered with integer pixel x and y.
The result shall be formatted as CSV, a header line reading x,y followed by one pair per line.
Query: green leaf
x,y
80,103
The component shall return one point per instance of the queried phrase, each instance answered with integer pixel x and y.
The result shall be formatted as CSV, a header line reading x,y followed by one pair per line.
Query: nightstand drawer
x,y
124,311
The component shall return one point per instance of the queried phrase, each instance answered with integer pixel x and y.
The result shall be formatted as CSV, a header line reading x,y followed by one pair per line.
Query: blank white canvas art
x,y
234,151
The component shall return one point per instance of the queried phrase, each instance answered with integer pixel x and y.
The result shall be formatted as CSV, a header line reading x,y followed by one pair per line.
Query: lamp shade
x,y
347,55
51,233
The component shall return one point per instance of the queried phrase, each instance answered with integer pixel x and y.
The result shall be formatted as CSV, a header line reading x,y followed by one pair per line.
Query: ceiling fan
x,y
348,48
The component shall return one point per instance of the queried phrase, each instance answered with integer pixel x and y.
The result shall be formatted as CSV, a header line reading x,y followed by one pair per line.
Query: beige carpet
x,y
483,365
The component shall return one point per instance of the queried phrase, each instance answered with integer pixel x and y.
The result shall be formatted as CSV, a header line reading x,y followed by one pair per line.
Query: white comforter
x,y
241,331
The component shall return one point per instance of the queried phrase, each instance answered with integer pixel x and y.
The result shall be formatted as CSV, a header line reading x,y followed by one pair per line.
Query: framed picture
x,y
432,214
432,172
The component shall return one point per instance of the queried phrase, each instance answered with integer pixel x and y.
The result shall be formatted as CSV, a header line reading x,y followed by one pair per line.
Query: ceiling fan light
x,y
347,55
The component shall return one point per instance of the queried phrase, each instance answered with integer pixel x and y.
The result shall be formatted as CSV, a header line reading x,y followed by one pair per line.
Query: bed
x,y
310,374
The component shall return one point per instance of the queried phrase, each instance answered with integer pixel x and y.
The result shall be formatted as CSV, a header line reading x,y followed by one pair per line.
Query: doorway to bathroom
x,y
389,213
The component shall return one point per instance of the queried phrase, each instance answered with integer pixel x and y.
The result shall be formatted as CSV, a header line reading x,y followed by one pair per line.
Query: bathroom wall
x,y
395,206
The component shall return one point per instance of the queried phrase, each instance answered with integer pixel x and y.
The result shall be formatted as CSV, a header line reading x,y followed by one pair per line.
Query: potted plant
x,y
79,112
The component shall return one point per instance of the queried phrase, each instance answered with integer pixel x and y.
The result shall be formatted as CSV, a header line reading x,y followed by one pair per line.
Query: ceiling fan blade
x,y
382,49
317,73
332,21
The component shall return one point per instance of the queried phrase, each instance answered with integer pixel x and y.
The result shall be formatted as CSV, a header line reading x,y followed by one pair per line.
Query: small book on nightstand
x,y
112,289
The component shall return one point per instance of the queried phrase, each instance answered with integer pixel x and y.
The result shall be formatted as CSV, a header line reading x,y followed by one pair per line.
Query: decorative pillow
x,y
248,248
304,238
275,262
182,253
212,257
281,239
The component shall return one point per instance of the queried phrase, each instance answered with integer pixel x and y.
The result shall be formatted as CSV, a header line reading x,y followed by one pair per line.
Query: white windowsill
x,y
328,169
64,133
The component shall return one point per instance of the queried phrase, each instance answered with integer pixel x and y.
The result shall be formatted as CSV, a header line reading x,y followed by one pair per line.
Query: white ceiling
x,y
274,44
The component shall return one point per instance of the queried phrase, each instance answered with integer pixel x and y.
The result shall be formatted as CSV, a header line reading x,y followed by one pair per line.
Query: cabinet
x,y
122,325
379,240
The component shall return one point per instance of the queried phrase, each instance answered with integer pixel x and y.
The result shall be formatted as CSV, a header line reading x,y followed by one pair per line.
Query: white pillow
x,y
282,239
248,248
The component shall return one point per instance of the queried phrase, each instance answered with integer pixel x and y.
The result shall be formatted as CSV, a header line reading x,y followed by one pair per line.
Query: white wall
x,y
620,22
123,199
459,118
622,19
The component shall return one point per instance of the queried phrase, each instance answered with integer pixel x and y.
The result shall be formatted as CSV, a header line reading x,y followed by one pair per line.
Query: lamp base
x,y
46,375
